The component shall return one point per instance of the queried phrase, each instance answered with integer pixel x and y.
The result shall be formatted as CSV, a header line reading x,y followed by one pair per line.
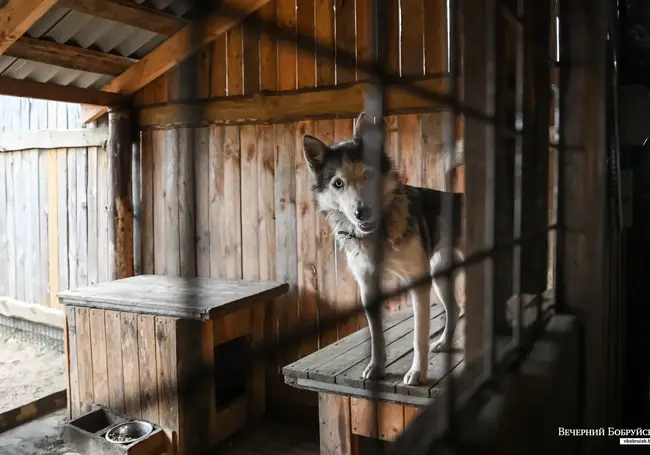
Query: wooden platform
x,y
336,369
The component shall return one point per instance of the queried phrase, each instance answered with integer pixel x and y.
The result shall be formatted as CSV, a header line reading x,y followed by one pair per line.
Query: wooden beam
x,y
55,92
130,13
17,16
40,314
324,102
66,56
119,154
32,411
180,46
12,141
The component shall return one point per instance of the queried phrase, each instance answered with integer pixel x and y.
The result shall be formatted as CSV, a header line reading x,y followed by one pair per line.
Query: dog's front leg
x,y
420,298
377,364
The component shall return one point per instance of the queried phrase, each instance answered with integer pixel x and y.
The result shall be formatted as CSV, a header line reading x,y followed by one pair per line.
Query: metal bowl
x,y
129,432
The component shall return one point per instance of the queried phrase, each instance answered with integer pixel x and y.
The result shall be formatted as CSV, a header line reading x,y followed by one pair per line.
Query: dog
x,y
407,220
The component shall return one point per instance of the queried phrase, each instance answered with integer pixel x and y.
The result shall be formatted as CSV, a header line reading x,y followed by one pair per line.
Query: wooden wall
x,y
53,222
254,215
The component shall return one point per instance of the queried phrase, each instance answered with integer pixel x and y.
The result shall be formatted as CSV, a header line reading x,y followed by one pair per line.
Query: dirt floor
x,y
28,371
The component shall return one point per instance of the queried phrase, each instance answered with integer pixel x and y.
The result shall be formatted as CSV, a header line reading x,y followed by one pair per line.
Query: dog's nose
x,y
363,213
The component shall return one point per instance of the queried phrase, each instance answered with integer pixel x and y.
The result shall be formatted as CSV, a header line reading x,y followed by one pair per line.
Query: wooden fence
x,y
54,206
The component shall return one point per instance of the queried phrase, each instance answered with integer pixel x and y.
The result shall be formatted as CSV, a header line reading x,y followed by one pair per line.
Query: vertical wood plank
x,y
286,17
130,365
285,232
186,206
11,215
73,228
82,217
251,50
306,68
410,413
84,360
147,202
393,47
232,257
268,49
148,366
203,73
170,191
325,62
207,358
412,42
62,215
43,233
345,41
335,428
249,206
4,239
410,147
92,216
326,268
114,362
216,195
307,232
158,197
20,220
102,216
235,40
165,338
99,351
74,398
433,127
53,236
202,184
32,255
365,38
218,85
435,36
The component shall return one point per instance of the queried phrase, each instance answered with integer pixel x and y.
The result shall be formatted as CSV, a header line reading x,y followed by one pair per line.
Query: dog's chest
x,y
406,260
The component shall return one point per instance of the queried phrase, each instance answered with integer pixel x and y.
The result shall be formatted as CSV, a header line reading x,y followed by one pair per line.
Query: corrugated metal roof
x,y
66,26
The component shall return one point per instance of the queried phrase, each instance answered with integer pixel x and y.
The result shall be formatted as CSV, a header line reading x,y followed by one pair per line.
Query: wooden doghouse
x,y
169,350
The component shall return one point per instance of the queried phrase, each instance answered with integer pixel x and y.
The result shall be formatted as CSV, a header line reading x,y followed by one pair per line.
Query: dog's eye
x,y
338,183
368,174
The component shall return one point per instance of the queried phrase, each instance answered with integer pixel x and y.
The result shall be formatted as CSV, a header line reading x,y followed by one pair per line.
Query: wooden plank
x,y
66,56
231,326
216,160
99,349
306,69
435,36
56,92
335,426
235,65
33,262
345,42
114,361
301,368
251,53
287,58
129,13
202,185
33,312
148,366
232,234
158,198
207,358
308,289
342,101
20,223
170,195
181,45
11,141
102,217
84,360
130,365
10,226
268,51
186,203
410,413
285,232
62,215
398,340
72,366
146,202
390,417
81,240
365,38
410,146
17,16
4,239
91,195
412,40
73,247
32,411
168,398
324,34
218,67
393,37
432,127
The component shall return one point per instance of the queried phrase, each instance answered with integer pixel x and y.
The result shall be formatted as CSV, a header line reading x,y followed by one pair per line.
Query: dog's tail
x,y
454,156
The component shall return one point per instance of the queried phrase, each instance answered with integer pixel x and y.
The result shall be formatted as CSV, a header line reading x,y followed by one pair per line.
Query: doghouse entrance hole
x,y
232,368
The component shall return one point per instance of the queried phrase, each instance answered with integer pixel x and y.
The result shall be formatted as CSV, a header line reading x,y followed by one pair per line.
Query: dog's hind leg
x,y
441,260
376,367
420,298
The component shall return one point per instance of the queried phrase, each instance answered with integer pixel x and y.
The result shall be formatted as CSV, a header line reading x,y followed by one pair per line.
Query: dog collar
x,y
346,235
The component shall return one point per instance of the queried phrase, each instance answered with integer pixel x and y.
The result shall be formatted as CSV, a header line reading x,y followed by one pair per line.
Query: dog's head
x,y
352,186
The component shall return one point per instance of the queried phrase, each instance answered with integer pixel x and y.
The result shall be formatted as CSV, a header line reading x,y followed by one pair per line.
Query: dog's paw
x,y
414,376
437,346
373,371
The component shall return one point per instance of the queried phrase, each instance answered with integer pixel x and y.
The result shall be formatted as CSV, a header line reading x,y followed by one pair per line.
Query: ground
x,y
39,437
28,371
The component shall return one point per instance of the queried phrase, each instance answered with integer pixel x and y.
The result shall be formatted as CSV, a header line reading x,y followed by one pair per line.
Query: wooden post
x,y
119,155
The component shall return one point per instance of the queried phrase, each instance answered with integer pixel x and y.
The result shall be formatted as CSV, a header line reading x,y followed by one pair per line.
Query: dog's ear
x,y
363,126
314,150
